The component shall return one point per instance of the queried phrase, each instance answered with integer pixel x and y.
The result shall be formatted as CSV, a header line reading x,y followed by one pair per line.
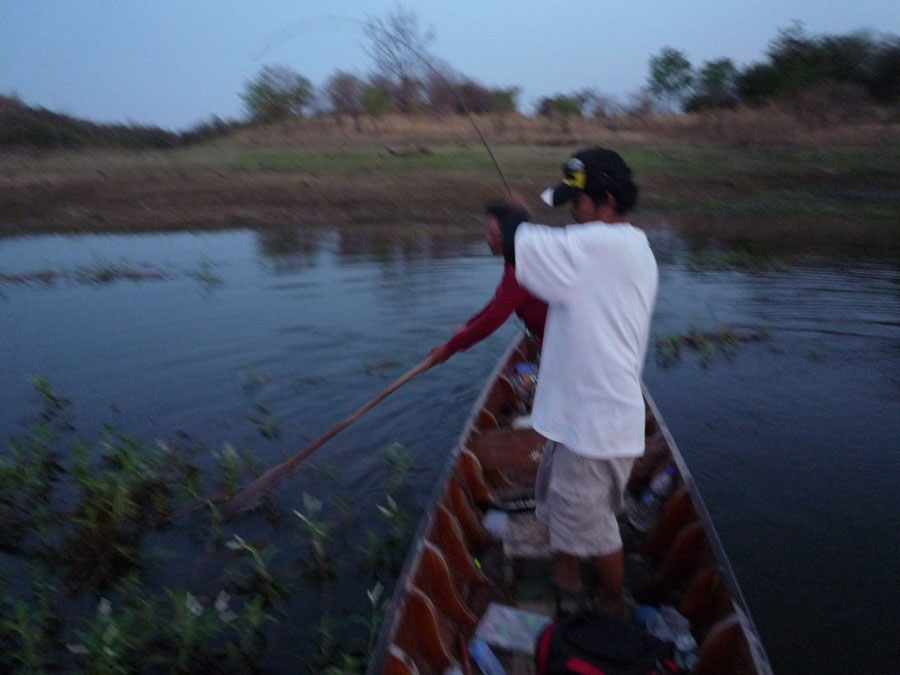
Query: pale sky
x,y
174,63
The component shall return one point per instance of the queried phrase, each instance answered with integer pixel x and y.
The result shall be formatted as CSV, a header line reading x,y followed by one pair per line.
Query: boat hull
x,y
459,565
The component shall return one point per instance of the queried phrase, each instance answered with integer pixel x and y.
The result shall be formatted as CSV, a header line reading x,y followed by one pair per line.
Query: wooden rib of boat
x,y
456,569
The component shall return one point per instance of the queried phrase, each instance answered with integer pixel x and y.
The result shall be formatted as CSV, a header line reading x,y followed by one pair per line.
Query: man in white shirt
x,y
599,277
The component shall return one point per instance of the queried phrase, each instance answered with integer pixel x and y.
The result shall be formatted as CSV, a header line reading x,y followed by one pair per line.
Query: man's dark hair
x,y
508,217
625,192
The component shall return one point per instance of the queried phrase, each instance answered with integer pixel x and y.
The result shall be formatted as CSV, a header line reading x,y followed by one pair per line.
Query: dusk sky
x,y
174,63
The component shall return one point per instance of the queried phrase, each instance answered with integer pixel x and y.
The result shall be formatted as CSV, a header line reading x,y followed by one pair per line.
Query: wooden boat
x,y
456,568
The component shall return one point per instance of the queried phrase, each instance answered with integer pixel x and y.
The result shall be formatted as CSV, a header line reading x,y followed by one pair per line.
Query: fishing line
x,y
289,33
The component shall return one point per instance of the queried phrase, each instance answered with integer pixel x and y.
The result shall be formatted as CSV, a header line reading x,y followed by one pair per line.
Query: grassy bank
x,y
711,176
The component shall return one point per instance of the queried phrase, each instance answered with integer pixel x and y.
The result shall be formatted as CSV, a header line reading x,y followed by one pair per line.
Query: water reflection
x,y
404,243
839,236
288,250
792,439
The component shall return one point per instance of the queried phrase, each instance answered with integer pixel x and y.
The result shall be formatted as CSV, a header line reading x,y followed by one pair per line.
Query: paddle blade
x,y
249,495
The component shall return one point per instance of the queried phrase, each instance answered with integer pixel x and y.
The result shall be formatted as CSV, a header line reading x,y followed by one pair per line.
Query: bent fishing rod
x,y
249,495
398,39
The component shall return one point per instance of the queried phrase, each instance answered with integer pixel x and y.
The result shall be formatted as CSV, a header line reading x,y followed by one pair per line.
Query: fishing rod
x,y
460,102
250,495
398,39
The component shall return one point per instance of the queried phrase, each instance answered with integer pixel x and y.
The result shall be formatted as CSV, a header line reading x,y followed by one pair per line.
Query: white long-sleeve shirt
x,y
600,282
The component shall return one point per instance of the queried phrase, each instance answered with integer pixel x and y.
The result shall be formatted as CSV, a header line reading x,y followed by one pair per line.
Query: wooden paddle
x,y
249,495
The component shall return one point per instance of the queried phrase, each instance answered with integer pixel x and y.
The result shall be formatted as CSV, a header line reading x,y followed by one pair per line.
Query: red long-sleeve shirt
x,y
510,297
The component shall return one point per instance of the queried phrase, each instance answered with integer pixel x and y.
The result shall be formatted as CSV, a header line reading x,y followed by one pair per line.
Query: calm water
x,y
792,440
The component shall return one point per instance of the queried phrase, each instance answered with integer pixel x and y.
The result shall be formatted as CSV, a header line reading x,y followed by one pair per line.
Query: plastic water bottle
x,y
524,382
644,511
670,625
484,657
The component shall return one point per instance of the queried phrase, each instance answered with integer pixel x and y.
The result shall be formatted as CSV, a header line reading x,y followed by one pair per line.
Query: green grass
x,y
259,182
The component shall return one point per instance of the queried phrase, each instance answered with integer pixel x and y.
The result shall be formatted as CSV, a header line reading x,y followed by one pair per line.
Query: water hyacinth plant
x,y
322,563
102,272
723,339
88,578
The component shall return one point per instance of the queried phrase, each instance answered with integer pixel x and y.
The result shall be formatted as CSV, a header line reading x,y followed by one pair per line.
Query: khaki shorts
x,y
578,499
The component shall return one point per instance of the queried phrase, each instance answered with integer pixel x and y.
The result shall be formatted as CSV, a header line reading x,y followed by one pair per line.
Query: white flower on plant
x,y
375,593
193,605
229,453
235,545
104,608
221,606
312,505
227,616
78,650
222,601
390,509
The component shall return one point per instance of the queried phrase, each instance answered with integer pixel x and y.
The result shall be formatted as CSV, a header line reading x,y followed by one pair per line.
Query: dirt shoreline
x,y
840,191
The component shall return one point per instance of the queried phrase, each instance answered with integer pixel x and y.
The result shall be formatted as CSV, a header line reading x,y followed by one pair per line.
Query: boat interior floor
x,y
523,564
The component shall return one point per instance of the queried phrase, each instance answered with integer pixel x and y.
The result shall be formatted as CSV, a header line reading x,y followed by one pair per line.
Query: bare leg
x,y
611,573
567,573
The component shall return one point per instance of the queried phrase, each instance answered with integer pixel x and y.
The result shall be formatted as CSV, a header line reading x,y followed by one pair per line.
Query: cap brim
x,y
559,195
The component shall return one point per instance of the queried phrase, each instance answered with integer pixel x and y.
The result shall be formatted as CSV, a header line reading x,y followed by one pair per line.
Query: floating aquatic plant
x,y
84,522
723,339
206,276
267,423
103,272
323,564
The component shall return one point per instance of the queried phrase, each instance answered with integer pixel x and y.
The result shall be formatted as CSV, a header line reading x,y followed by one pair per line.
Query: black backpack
x,y
591,642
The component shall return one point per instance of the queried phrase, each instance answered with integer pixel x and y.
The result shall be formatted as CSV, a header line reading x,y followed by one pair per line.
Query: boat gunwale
x,y
392,612
757,651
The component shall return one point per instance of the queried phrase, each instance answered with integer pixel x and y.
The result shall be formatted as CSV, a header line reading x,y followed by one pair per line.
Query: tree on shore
x,y
399,50
798,61
671,78
277,93
376,102
562,108
344,93
715,86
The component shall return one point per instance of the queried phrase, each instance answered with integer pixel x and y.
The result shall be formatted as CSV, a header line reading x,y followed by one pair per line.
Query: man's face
x,y
582,208
492,235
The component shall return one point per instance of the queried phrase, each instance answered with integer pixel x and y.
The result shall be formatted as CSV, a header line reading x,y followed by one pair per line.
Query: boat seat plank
x,y
502,399
499,482
399,663
447,535
515,452
459,504
725,651
435,579
421,635
706,601
690,552
486,420
677,513
472,476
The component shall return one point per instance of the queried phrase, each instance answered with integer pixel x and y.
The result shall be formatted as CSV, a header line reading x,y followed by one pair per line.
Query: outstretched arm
x,y
508,297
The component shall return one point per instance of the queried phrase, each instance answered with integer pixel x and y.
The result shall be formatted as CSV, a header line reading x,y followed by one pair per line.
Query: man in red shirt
x,y
500,227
